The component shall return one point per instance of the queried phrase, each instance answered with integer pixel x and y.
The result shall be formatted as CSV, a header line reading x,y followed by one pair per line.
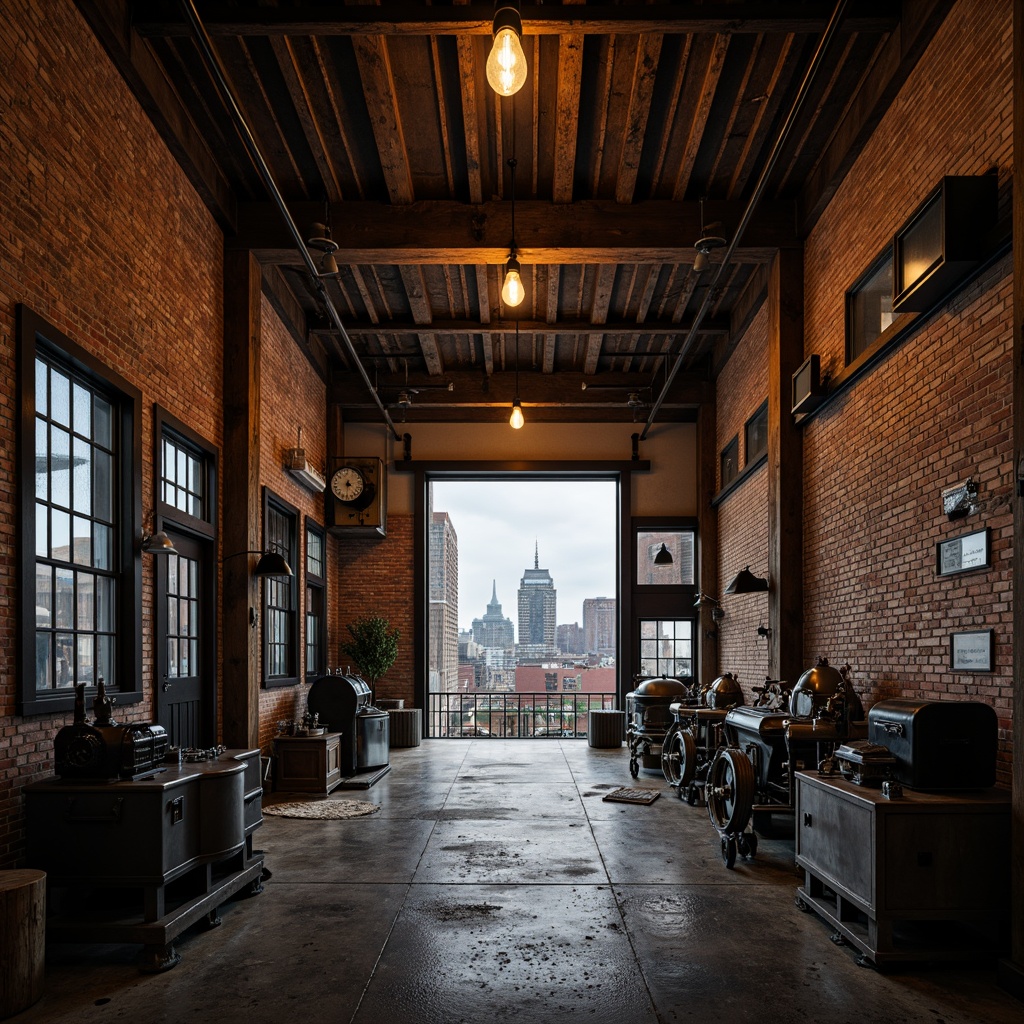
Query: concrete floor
x,y
494,883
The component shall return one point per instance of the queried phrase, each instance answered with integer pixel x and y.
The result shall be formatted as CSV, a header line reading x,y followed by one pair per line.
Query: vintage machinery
x,y
937,744
766,745
695,734
343,702
648,718
104,749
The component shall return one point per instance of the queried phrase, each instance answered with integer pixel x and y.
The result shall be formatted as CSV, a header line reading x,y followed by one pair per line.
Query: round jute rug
x,y
329,810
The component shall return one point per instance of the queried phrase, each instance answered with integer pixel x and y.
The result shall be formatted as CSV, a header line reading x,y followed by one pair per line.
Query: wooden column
x,y
22,939
785,468
242,506
1012,972
707,532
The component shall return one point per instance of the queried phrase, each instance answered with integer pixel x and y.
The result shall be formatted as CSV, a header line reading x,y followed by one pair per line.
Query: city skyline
x,y
500,523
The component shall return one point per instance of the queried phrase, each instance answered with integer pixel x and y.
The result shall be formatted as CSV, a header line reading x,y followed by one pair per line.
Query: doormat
x,y
632,796
325,810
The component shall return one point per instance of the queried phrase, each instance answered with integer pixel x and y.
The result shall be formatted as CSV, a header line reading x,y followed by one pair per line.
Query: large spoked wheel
x,y
669,757
687,747
730,791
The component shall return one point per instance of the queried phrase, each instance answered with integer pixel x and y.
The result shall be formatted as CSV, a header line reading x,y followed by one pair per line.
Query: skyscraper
x,y
537,597
444,604
494,629
599,625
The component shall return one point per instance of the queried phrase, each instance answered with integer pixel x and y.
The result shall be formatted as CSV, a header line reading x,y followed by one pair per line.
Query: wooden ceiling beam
x,y
402,18
644,71
442,231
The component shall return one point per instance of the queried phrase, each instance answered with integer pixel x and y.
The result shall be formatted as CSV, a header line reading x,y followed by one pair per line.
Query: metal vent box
x,y
938,744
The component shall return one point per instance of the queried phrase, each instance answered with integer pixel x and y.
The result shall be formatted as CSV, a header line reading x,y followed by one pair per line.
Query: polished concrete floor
x,y
494,883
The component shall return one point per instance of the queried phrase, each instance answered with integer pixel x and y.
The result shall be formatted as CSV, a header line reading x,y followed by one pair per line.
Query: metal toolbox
x,y
938,744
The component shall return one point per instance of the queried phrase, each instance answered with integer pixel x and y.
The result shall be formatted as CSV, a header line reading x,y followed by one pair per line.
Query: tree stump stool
x,y
406,727
605,728
22,939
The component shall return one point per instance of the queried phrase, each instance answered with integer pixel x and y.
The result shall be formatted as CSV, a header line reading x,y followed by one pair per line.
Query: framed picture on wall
x,y
971,651
961,554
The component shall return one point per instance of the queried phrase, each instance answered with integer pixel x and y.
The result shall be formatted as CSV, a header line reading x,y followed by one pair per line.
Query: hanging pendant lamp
x,y
506,64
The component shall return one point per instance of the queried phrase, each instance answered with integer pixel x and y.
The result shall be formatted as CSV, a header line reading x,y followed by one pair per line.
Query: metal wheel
x,y
746,843
728,851
730,790
687,748
670,757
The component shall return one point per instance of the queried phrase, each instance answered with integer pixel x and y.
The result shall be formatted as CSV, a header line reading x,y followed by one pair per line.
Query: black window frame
x,y
36,337
316,582
854,352
752,454
731,450
276,587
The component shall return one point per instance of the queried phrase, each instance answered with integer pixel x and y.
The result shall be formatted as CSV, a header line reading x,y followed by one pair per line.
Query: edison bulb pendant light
x,y
516,420
512,290
506,64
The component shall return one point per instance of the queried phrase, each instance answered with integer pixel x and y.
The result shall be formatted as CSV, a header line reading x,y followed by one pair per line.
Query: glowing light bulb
x,y
512,290
506,64
516,420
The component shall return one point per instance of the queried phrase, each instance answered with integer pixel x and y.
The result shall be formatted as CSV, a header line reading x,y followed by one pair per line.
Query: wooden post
x,y
785,467
707,532
242,508
22,939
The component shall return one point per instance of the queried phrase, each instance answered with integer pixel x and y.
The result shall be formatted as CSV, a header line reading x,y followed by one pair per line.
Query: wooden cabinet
x,y
922,876
308,764
174,847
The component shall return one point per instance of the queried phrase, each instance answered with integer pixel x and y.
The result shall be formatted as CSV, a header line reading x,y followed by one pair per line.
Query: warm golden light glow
x,y
516,420
506,65
512,290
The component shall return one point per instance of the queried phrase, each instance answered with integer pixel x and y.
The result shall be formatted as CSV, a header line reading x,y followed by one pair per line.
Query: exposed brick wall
x,y
291,395
741,388
100,233
375,577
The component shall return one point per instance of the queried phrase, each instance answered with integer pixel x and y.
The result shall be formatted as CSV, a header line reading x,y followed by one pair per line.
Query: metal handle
x,y
892,728
166,685
807,819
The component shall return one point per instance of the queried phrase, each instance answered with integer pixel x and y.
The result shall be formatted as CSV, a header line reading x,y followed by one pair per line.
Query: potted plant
x,y
373,648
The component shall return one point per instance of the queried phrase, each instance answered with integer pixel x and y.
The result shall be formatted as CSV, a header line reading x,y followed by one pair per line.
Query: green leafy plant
x,y
373,648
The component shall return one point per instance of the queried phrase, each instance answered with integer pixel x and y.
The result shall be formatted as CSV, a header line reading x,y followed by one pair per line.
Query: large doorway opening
x,y
523,604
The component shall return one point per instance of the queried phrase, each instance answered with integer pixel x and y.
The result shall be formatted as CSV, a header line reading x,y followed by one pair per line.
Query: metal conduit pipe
x,y
812,70
219,73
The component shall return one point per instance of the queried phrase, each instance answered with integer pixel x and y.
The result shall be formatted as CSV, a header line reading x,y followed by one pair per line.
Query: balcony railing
x,y
513,715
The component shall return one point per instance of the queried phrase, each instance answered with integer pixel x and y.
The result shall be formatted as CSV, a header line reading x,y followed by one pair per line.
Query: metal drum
x,y
648,717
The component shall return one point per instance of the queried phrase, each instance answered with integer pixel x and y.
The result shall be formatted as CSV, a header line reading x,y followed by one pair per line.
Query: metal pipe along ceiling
x,y
755,197
219,73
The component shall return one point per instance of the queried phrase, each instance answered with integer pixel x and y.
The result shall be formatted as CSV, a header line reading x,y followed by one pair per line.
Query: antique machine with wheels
x,y
648,718
695,734
777,737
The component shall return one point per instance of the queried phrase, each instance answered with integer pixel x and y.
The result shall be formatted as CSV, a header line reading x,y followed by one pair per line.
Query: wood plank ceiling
x,y
639,125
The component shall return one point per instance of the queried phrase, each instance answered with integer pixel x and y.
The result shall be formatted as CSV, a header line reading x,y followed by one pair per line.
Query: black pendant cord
x,y
805,86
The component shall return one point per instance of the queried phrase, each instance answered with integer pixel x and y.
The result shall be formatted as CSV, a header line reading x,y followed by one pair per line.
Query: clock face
x,y
347,483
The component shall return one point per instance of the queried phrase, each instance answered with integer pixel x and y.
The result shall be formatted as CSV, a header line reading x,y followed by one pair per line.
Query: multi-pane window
x,y
316,600
666,647
183,475
280,620
182,625
755,435
76,530
79,564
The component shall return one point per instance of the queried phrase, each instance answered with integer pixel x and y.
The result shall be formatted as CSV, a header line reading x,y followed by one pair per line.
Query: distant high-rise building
x,y
569,637
444,604
537,599
494,629
599,625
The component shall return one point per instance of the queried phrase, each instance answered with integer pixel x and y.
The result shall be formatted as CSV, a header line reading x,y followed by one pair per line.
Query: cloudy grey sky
x,y
497,523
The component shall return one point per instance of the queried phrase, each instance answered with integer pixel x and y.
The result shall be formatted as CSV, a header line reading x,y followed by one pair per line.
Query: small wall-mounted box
x,y
808,390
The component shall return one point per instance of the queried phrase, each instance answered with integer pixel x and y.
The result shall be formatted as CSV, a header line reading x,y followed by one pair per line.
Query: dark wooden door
x,y
185,683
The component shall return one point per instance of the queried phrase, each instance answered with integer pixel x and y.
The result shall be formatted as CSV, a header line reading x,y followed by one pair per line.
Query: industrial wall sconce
x,y
270,563
717,611
745,582
664,556
158,544
506,64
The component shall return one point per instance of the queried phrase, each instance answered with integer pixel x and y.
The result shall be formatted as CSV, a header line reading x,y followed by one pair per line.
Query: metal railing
x,y
506,715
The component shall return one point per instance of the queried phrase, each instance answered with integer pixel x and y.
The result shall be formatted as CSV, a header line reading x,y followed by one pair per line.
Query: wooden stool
x,y
605,728
406,726
22,938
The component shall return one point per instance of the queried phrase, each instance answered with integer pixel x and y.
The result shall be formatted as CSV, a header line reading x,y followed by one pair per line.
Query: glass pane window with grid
x,y
666,647
183,478
76,533
182,626
316,601
278,595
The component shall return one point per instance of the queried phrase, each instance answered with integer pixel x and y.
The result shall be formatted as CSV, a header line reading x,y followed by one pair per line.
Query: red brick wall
x,y
291,395
101,234
741,388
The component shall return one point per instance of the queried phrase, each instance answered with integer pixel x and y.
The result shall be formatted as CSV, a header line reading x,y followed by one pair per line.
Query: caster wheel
x,y
681,792
691,795
742,846
728,851
802,905
634,767
749,841
838,938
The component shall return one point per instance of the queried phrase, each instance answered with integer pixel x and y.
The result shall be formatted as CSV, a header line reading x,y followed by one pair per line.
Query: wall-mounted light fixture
x,y
745,582
158,544
506,64
703,600
270,563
